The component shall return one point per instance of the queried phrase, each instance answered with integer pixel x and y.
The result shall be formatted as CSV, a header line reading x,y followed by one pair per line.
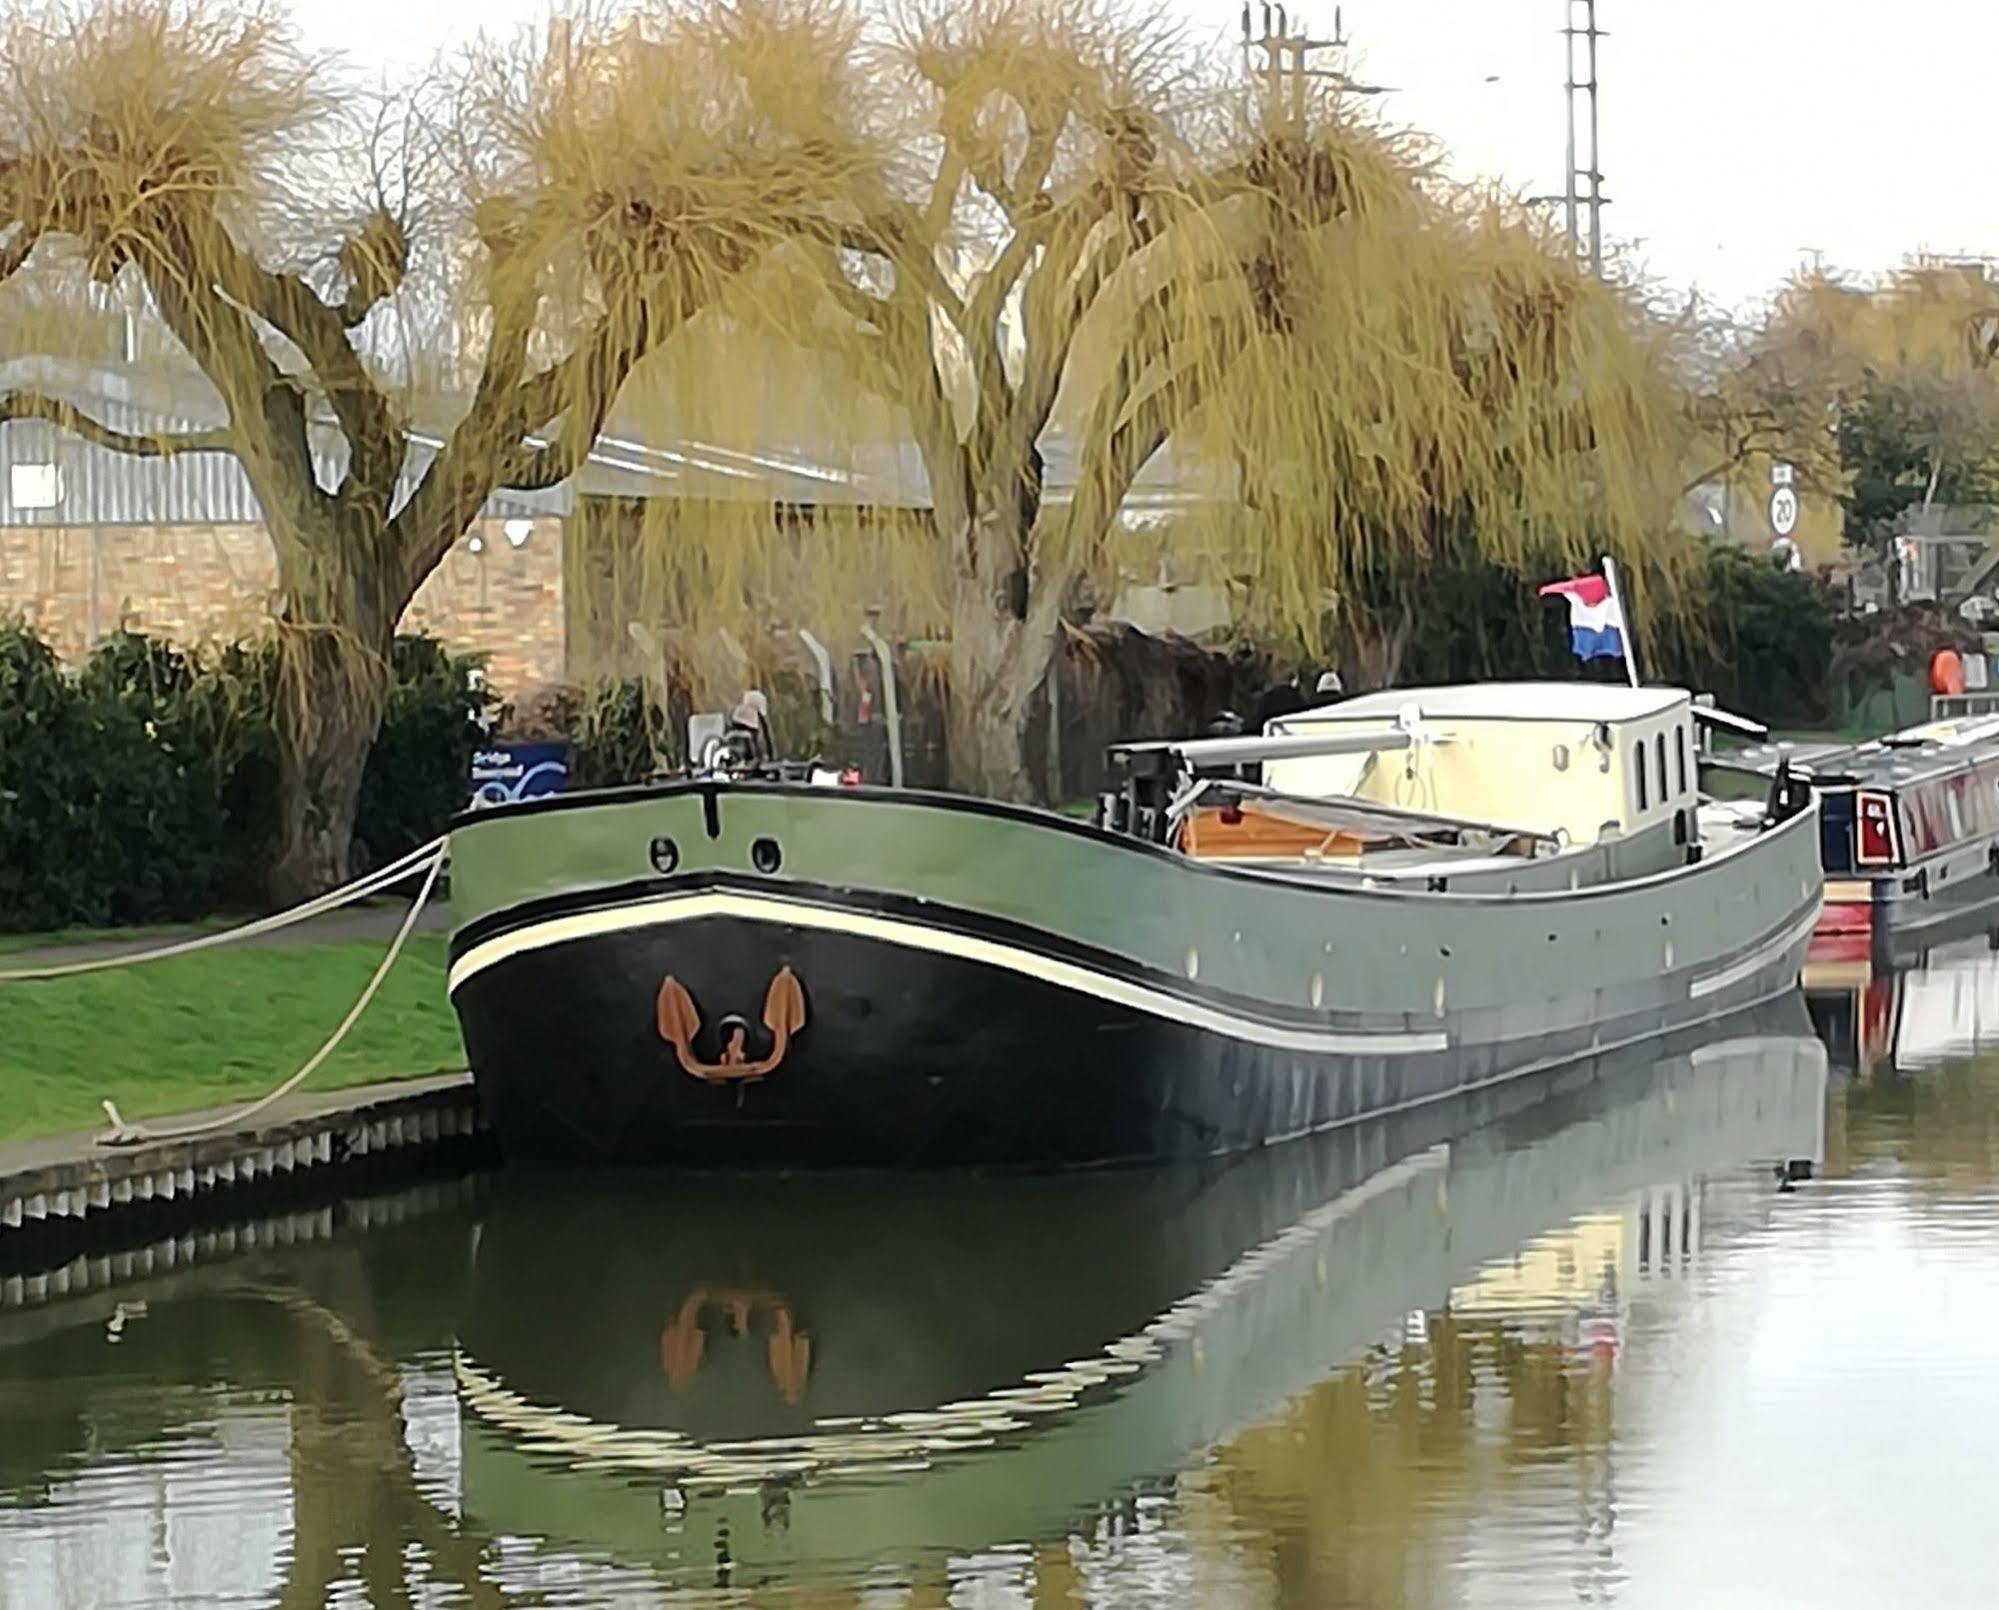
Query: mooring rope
x,y
346,894
123,1134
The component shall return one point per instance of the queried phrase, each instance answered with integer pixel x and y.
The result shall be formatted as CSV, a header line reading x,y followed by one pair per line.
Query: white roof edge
x,y
1504,701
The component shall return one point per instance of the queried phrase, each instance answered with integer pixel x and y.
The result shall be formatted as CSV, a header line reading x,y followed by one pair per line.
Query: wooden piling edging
x,y
43,1296
63,1192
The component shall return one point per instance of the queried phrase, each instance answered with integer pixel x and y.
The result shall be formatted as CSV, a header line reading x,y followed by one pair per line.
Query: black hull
x,y
911,1058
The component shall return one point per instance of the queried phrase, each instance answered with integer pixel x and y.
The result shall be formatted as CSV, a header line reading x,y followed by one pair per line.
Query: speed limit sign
x,y
1783,511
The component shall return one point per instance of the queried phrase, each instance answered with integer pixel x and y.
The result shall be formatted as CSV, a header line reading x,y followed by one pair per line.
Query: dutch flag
x,y
1596,620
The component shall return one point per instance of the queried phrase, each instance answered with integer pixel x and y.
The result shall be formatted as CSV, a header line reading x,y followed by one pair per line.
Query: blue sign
x,y
508,772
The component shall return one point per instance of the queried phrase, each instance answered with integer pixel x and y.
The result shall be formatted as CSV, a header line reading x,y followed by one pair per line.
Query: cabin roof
x,y
1504,701
1876,763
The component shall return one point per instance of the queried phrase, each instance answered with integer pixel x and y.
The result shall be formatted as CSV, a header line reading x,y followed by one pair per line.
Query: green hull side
x,y
1398,952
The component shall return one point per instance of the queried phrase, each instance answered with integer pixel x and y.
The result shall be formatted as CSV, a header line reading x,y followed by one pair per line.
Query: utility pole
x,y
1583,190
1287,57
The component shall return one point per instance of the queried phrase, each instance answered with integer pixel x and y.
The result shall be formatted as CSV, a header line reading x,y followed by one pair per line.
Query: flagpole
x,y
1624,616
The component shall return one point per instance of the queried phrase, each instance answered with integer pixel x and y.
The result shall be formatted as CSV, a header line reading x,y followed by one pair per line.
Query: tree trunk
x,y
995,669
1375,650
985,726
332,688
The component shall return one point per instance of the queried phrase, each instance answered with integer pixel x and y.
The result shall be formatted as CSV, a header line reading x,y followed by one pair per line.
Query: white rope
x,y
346,894
124,1134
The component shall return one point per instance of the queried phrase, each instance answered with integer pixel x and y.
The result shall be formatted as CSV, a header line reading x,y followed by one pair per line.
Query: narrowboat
x,y
1908,827
1368,906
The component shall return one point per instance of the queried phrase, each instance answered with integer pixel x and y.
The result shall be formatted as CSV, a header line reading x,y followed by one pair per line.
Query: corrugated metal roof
x,y
99,486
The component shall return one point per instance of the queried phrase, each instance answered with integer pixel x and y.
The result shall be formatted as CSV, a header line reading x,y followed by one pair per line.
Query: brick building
x,y
91,539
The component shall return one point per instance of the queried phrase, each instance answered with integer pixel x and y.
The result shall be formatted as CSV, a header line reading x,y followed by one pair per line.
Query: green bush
x,y
106,803
611,741
1764,646
416,776
144,788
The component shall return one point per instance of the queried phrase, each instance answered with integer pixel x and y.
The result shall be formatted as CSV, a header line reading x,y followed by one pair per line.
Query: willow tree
x,y
1884,396
1915,395
1497,410
1085,242
399,305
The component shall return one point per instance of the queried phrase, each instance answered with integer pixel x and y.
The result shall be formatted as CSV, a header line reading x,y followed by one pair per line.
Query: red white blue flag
x,y
1596,621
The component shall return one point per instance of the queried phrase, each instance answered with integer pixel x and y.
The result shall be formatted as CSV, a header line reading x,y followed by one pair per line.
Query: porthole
x,y
765,856
664,854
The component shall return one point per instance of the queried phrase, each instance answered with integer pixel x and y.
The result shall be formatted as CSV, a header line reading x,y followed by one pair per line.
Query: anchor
x,y
787,1349
783,1017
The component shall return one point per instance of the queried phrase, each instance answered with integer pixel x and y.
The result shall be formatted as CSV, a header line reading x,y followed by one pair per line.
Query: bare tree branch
x,y
536,469
139,444
273,440
320,332
1060,292
507,410
15,252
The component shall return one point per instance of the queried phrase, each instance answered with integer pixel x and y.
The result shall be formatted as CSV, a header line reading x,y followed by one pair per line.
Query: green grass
x,y
214,1027
52,937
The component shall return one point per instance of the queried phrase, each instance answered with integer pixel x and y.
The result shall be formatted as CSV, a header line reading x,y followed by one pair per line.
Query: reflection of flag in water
x,y
1600,1336
1596,621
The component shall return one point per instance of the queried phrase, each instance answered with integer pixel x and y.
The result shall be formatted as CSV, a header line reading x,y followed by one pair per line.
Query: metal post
x,y
1595,166
1055,729
891,711
1583,188
1569,91
1630,637
824,662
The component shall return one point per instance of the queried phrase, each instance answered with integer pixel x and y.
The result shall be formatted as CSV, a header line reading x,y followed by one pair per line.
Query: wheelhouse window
x,y
1680,734
1659,749
1638,772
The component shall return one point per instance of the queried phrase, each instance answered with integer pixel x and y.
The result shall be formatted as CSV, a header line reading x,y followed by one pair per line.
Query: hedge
x,y
143,787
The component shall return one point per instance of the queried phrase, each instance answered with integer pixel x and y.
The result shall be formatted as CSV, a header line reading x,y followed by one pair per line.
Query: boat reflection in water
x,y
539,1385
1906,1017
795,1374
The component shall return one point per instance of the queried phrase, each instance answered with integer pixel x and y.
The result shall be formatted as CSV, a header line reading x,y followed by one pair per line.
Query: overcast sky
x,y
1739,136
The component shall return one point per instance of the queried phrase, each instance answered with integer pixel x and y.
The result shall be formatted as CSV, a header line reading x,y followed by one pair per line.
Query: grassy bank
x,y
50,938
214,1027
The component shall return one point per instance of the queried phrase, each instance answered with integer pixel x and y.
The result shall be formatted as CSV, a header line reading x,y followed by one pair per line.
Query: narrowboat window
x,y
1680,733
1638,764
1659,749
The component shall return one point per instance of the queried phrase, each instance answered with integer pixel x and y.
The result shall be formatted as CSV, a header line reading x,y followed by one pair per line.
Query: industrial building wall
x,y
197,584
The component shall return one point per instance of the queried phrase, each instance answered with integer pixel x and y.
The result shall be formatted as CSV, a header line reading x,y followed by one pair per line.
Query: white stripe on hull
x,y
1756,960
941,942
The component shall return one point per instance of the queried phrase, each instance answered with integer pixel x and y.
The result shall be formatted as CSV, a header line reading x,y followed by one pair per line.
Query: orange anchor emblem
x,y
787,1349
783,1016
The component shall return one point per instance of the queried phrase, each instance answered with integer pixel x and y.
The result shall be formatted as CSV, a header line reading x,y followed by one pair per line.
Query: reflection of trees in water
x,y
1940,1125
1359,1490
356,1505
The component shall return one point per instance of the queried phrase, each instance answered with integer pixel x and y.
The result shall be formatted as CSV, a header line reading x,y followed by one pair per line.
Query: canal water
x,y
1712,1324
